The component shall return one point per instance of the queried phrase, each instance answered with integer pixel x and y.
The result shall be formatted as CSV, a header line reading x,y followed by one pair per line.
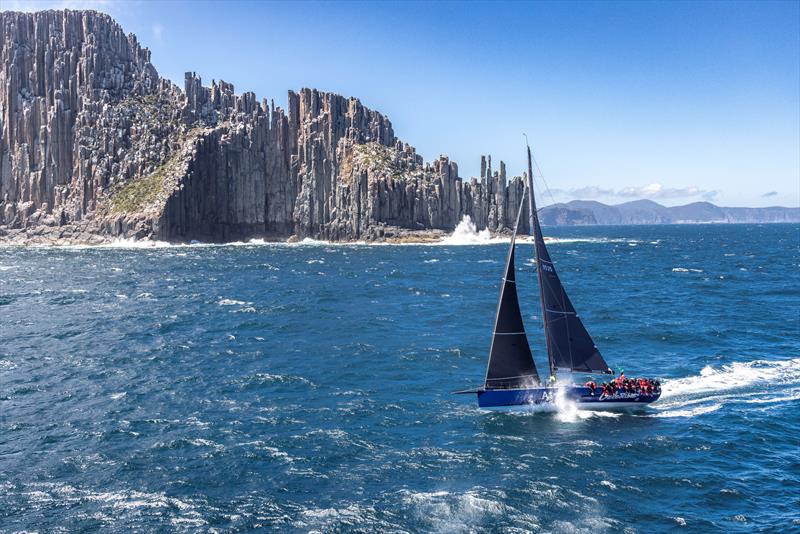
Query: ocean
x,y
307,387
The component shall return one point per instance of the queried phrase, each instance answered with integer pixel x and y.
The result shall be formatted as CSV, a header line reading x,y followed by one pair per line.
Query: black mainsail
x,y
510,360
569,345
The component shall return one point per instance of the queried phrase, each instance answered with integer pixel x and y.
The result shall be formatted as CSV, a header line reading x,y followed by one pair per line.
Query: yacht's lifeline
x,y
512,382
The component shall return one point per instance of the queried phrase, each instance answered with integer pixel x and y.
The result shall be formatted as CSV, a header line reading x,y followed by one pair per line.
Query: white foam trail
x,y
770,400
708,392
691,412
734,376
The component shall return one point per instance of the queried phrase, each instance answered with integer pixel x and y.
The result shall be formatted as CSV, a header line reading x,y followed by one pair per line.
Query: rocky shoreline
x,y
96,146
74,235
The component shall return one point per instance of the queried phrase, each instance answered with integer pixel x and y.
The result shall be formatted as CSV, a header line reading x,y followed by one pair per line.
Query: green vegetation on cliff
x,y
138,194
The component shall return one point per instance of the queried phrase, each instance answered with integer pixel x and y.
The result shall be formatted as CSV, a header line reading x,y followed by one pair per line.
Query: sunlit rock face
x,y
95,145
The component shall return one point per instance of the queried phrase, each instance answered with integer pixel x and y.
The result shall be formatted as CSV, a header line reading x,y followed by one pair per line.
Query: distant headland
x,y
585,212
96,146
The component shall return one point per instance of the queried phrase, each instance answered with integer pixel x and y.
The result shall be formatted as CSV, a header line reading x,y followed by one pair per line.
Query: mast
x,y
533,217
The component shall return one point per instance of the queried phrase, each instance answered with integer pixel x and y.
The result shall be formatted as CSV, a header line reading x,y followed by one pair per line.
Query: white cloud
x,y
649,191
658,191
770,194
591,191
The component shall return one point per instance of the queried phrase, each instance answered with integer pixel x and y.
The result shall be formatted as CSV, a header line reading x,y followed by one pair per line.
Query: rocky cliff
x,y
95,145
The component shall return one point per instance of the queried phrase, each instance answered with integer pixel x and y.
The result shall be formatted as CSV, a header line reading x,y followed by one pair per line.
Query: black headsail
x,y
510,360
569,345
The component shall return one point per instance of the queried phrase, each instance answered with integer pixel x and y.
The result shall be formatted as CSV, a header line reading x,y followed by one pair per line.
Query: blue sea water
x,y
307,388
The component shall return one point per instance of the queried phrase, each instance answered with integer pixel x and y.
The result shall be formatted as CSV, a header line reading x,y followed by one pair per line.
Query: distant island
x,y
96,146
586,212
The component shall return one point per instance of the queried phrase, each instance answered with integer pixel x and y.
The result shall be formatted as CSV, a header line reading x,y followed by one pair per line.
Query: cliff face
x,y
94,144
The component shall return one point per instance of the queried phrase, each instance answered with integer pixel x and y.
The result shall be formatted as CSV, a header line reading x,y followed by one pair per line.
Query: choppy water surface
x,y
301,388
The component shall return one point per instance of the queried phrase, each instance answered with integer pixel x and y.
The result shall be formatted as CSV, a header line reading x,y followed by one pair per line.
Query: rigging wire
x,y
541,175
562,295
544,181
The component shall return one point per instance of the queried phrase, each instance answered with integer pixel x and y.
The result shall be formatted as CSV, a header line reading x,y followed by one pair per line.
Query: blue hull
x,y
544,397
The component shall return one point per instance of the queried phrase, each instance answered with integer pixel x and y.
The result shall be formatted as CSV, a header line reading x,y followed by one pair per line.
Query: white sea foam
x,y
266,378
567,409
232,302
200,442
344,518
685,270
117,502
455,512
598,413
755,382
734,376
567,240
466,233
149,244
793,396
698,410
275,452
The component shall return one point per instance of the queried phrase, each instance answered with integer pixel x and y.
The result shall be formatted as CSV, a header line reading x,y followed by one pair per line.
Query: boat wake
x,y
737,375
761,382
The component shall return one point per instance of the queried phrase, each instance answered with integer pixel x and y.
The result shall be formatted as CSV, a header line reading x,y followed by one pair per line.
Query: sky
x,y
672,101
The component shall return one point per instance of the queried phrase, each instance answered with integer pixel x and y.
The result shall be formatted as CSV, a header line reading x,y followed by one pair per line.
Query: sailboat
x,y
512,382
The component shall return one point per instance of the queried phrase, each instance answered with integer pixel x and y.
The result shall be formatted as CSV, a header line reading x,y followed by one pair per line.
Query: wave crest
x,y
466,233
